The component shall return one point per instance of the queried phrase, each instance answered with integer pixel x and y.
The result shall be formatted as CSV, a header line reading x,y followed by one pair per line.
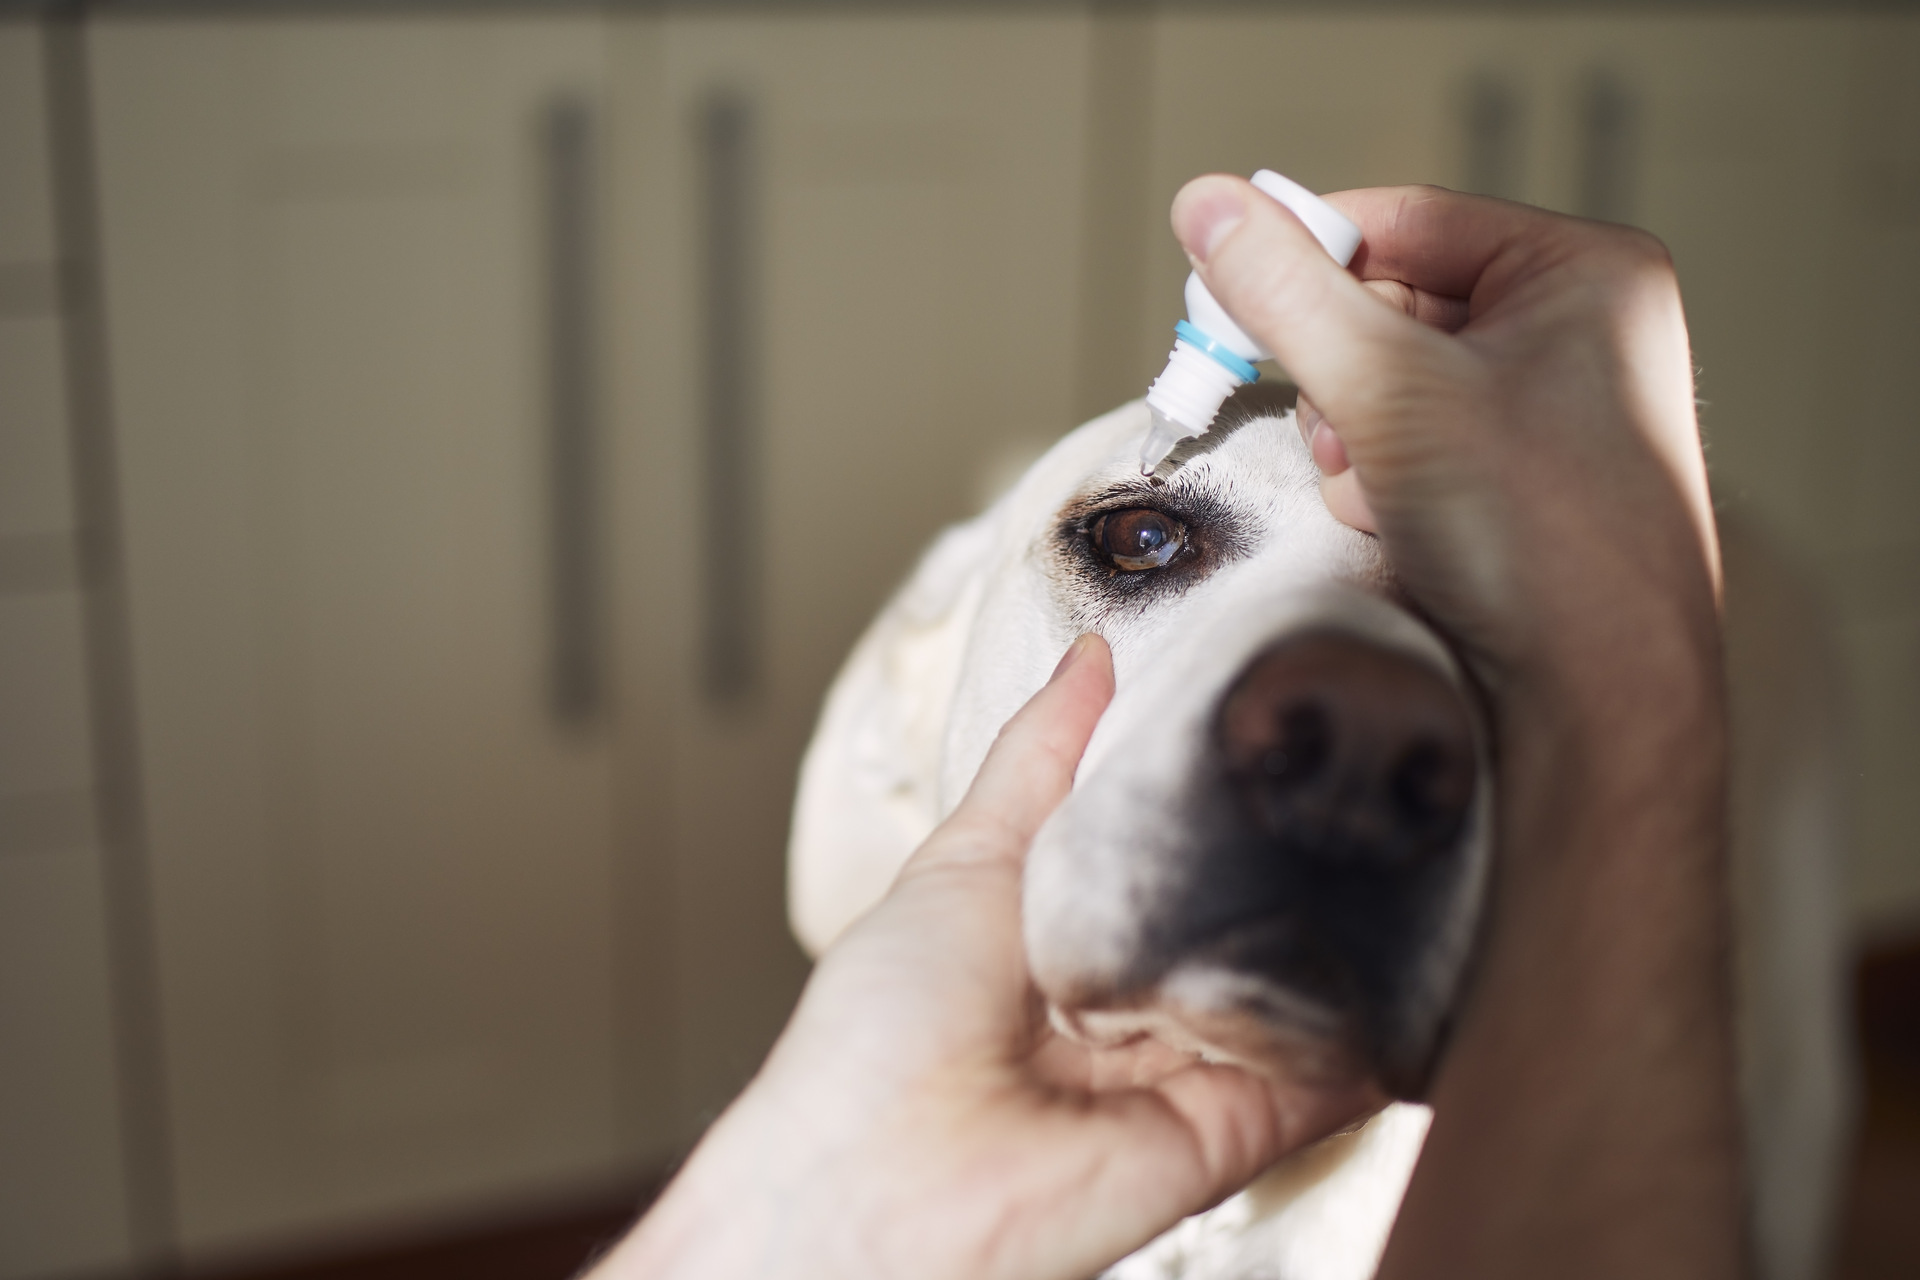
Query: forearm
x,y
1585,1118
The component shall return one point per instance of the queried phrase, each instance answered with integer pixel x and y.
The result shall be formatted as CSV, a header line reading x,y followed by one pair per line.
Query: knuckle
x,y
1619,265
1416,196
1394,293
1416,205
1624,251
1646,250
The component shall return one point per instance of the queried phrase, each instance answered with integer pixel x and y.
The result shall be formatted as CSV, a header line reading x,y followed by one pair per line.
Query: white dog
x,y
1277,843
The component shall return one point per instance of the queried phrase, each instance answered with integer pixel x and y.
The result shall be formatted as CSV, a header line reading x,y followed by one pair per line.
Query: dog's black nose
x,y
1348,753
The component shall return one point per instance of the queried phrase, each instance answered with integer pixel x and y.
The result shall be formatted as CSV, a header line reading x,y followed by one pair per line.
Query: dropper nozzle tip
x,y
1162,435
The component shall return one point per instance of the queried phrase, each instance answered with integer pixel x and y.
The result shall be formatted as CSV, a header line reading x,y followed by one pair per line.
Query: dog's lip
x,y
1225,1015
1214,953
1237,1041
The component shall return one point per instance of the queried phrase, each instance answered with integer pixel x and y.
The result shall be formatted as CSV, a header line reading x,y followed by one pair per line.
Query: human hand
x,y
919,1117
1518,418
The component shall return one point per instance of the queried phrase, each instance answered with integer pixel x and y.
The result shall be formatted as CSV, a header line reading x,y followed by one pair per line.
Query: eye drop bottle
x,y
1211,354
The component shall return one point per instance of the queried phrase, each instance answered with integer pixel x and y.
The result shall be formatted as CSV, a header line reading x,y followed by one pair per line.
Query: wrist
x,y
1611,879
731,1210
1612,820
1622,699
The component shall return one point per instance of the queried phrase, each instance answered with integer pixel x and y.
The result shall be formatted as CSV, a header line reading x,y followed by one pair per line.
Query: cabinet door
x,y
63,1203
887,208
382,864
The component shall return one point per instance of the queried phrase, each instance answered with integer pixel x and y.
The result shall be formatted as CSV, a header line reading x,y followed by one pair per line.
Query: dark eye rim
x,y
1092,587
1177,546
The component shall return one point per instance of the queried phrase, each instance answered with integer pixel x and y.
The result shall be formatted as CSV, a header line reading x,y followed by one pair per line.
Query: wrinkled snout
x,y
1348,754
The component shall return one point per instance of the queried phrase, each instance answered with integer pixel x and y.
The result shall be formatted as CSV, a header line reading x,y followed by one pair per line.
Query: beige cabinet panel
x,y
413,934
914,199
62,1207
382,868
1865,417
36,491
63,1187
62,1182
26,209
43,696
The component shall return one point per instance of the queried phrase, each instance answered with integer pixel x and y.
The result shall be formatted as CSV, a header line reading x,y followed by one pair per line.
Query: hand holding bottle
x,y
1506,396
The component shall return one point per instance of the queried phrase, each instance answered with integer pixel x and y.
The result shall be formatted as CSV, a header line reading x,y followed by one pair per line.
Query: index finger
x,y
1439,241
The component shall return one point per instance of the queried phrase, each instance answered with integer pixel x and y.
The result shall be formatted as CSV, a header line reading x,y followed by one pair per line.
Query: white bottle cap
x,y
1335,231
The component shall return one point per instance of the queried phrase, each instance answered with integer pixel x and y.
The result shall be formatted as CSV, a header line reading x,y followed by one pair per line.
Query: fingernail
x,y
1208,221
1071,656
1306,417
1329,454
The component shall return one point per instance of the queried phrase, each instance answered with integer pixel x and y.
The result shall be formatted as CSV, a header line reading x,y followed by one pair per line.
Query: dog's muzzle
x,y
1275,858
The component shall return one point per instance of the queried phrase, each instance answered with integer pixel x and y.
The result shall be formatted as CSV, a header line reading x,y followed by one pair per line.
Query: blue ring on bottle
x,y
1232,363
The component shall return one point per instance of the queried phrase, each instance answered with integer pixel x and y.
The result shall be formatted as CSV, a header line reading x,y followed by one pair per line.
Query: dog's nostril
x,y
1348,752
1430,787
1306,741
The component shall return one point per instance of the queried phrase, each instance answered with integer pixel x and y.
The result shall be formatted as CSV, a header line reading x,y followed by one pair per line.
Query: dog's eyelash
x,y
1086,511
1094,588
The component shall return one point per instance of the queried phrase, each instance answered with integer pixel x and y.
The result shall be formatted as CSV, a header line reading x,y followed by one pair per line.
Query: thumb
x,y
1367,365
1030,767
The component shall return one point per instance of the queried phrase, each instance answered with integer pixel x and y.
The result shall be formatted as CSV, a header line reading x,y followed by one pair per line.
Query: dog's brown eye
x,y
1139,538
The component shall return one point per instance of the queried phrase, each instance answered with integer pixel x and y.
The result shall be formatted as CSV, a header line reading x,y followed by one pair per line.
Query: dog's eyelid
x,y
1116,496
1188,508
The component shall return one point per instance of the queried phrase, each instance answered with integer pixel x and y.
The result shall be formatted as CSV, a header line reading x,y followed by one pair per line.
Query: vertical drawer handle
x,y
575,677
732,613
1608,149
1495,122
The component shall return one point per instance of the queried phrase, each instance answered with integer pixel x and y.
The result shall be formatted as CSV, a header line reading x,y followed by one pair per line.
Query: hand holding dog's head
x,y
926,1117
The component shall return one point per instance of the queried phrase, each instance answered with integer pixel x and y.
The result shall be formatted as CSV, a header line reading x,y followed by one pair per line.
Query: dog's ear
x,y
869,786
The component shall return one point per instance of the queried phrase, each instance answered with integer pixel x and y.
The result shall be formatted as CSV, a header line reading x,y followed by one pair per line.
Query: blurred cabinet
x,y
63,1205
382,865
895,306
426,945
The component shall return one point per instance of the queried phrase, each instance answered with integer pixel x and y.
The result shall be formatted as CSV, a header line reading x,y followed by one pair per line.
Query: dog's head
x,y
1275,848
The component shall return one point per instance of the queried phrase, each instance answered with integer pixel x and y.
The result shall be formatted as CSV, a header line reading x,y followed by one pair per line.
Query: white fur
x,y
1116,841
1322,1212
970,637
978,628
